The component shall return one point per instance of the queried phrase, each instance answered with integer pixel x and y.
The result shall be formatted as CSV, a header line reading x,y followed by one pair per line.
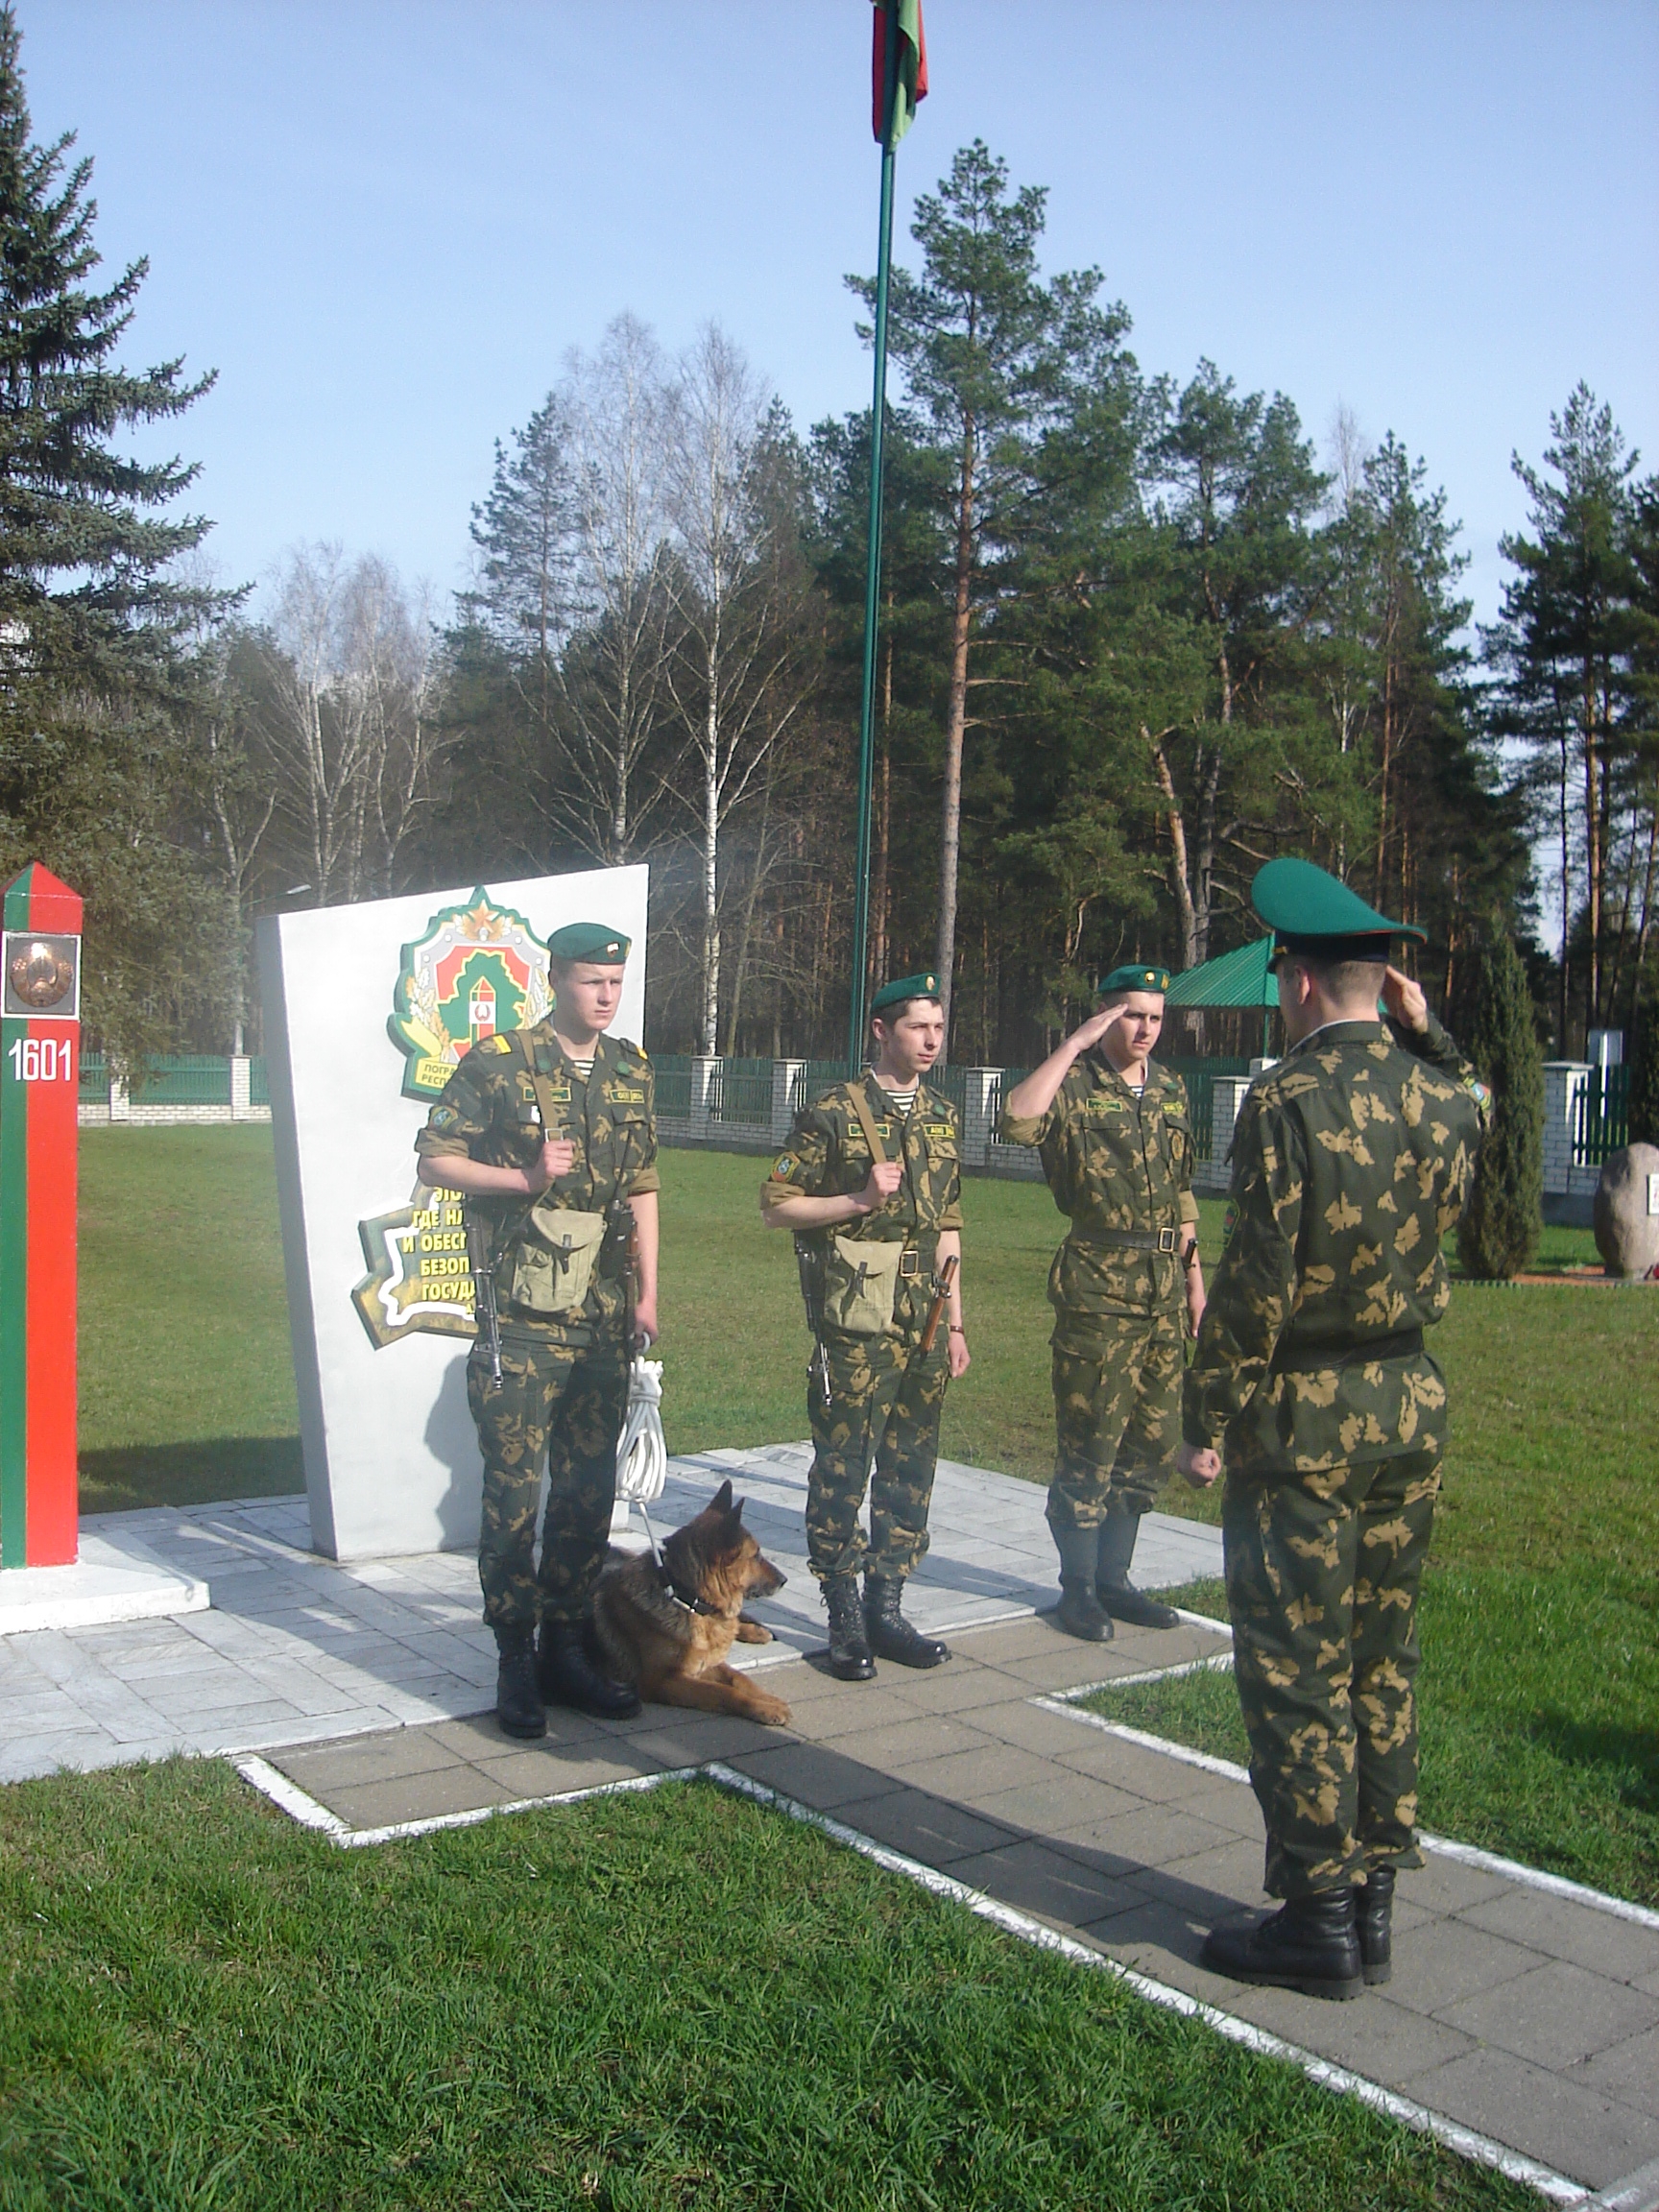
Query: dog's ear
x,y
738,1509
721,1502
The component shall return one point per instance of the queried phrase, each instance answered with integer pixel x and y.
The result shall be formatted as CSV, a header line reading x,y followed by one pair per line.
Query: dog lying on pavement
x,y
667,1629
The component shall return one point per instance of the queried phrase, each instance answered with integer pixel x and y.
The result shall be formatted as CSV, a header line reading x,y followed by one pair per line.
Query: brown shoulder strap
x,y
551,1120
866,1121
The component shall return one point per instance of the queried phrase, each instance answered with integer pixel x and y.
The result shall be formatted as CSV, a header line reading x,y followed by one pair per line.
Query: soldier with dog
x,y
870,1183
1114,1134
1313,1384
550,1132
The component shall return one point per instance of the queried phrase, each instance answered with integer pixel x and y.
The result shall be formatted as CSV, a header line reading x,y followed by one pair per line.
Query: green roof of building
x,y
1240,978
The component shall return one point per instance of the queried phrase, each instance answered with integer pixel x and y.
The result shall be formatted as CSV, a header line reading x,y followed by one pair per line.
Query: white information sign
x,y
367,1010
1653,1194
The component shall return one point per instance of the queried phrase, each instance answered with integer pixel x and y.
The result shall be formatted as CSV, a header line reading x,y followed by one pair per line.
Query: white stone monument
x,y
367,1010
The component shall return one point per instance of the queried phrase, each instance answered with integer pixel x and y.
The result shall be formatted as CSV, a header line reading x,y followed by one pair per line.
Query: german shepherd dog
x,y
667,1629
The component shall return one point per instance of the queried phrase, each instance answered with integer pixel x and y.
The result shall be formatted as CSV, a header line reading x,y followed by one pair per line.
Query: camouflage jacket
x,y
492,1109
1115,1162
827,1155
1350,1160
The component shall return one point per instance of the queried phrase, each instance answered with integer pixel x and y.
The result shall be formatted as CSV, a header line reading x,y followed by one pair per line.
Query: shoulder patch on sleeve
x,y
785,1165
441,1117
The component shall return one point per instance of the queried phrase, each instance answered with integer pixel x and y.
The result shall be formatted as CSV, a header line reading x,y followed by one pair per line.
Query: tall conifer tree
x,y
1501,1225
95,623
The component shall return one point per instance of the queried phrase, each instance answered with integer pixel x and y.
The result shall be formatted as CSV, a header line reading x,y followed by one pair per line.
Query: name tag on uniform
x,y
883,1128
942,1130
559,1093
1102,1103
1175,1111
626,1094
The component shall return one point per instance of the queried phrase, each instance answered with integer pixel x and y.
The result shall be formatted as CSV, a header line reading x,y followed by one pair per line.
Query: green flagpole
x,y
873,579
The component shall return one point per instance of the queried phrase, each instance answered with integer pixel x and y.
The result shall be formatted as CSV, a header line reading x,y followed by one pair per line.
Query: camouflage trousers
x,y
881,1431
1117,1413
1322,1575
561,1405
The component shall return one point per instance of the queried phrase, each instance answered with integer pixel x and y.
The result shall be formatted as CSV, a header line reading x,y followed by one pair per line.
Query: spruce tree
x,y
1499,1228
97,628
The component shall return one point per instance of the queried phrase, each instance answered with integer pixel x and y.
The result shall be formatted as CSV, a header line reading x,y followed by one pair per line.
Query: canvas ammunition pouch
x,y
861,1285
553,1259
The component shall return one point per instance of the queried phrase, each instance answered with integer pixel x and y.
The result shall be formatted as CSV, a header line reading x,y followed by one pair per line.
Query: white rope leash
x,y
643,1450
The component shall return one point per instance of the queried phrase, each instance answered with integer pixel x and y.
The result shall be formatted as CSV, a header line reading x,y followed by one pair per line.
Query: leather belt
x,y
1308,1358
1132,1240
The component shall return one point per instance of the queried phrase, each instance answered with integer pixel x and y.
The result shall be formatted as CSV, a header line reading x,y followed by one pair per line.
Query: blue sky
x,y
384,224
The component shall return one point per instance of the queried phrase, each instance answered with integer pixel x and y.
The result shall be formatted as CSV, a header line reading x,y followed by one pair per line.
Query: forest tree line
x,y
1137,639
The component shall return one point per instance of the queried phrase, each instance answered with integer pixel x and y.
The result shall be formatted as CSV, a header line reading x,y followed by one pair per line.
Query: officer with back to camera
x,y
1313,1384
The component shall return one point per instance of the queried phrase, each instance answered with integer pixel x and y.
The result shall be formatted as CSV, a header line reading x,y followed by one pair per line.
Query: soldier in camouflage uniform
x,y
870,1185
1113,1132
551,1133
1351,1163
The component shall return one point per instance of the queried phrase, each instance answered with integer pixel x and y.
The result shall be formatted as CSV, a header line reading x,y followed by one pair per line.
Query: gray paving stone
x,y
1229,1805
1153,1836
812,1773
1629,2071
458,1788
1556,2015
1447,1961
1037,1879
367,1759
1620,1949
1448,1885
1384,2041
1549,2116
689,1739
1056,1801
535,1773
1149,1774
1028,1727
924,1827
969,1777
905,1742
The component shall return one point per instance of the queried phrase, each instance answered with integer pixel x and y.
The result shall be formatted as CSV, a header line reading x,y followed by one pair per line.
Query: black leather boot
x,y
1374,1911
1079,1611
517,1701
1118,1532
1310,1945
891,1636
569,1677
850,1659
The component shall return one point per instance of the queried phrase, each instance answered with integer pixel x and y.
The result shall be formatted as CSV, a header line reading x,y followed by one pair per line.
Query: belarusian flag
x,y
903,18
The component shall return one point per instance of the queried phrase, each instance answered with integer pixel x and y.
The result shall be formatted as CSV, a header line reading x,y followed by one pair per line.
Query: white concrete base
x,y
113,1579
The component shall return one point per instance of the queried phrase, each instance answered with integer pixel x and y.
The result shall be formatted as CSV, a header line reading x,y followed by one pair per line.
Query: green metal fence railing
x,y
673,1085
741,1094
1601,1116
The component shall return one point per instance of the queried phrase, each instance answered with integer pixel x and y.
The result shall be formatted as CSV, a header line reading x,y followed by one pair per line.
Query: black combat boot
x,y
1117,1534
1310,1945
517,1701
569,1677
1374,1909
1079,1611
891,1635
850,1659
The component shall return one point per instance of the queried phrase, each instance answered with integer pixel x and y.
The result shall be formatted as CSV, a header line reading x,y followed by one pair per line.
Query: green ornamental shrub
x,y
1502,1223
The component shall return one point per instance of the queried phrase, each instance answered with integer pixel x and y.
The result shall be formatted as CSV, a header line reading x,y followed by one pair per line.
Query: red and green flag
x,y
40,1090
901,21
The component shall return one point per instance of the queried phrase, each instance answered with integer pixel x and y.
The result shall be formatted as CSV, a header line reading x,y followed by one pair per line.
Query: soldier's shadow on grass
x,y
1627,1758
126,1478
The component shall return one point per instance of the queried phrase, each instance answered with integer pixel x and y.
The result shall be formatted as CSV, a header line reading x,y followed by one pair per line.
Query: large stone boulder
x,y
1627,1232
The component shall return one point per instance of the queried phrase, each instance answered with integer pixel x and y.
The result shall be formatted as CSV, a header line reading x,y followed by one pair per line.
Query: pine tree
x,y
97,630
1501,1225
1642,1097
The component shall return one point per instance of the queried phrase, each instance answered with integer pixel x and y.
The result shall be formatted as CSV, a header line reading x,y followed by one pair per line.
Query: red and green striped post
x,y
39,1087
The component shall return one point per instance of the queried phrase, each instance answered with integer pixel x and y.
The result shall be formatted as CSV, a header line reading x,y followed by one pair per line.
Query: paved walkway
x,y
1528,2016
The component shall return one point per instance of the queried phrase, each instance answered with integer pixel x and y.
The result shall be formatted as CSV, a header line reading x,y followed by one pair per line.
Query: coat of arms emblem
x,y
478,969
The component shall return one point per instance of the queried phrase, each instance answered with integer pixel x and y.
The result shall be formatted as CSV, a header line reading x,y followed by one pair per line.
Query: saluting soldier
x,y
871,1183
1314,1385
1115,1138
551,1133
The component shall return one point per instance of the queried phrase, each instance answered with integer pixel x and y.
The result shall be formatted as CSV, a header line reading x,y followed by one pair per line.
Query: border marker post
x,y
39,1089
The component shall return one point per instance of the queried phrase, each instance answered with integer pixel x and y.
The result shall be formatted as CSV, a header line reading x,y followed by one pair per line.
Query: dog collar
x,y
671,1589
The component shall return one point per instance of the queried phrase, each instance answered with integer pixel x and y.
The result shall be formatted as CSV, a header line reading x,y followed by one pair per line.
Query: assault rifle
x,y
809,1260
486,1313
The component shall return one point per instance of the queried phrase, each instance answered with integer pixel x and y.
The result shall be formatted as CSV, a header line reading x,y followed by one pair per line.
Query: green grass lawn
x,y
648,2002
1541,1680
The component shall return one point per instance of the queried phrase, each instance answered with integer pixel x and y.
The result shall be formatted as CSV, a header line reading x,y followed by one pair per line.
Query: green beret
x,y
904,987
1134,976
1307,909
588,941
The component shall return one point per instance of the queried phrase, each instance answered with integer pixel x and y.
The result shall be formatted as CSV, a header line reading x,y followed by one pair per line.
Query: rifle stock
x,y
940,1299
